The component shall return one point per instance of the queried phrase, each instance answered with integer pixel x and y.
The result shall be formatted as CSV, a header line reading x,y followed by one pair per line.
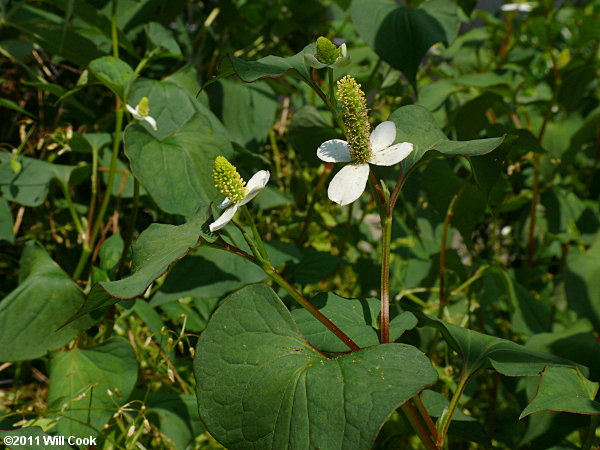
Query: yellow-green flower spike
x,y
228,180
354,108
327,52
143,107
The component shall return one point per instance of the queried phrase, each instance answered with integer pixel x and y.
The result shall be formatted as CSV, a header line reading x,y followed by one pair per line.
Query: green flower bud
x,y
327,52
143,107
354,109
228,180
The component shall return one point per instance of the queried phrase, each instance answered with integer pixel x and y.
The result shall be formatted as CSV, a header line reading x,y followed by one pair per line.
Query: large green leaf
x,y
564,389
358,318
114,74
79,384
401,35
247,110
272,66
416,125
174,163
208,273
582,282
30,315
154,252
261,385
172,106
6,222
30,186
506,357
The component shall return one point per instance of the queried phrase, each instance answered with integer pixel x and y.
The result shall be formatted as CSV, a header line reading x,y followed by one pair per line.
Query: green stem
x,y
591,433
87,248
276,153
423,411
533,214
74,214
332,98
445,420
257,238
131,227
386,229
415,420
449,215
303,301
114,30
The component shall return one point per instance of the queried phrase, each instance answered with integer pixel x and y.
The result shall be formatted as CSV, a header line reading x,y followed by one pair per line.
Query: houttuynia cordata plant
x,y
341,224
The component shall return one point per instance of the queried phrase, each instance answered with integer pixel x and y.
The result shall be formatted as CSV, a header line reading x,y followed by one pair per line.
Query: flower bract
x,y
142,112
350,182
237,192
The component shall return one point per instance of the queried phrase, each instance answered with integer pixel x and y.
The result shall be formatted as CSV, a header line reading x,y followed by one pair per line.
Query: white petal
x,y
348,184
343,60
383,135
312,61
151,121
334,150
255,184
134,112
223,218
225,204
391,155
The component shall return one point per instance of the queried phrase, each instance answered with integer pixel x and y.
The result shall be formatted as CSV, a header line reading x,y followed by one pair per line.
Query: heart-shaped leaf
x,y
30,314
154,252
506,357
358,318
402,35
261,385
177,171
416,125
564,389
79,384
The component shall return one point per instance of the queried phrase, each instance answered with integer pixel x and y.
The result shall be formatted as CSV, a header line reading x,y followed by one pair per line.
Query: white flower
x,y
255,184
523,7
349,183
135,112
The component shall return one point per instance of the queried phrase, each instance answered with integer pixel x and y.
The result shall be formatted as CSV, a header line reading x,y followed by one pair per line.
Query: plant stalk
x,y
386,230
446,419
415,421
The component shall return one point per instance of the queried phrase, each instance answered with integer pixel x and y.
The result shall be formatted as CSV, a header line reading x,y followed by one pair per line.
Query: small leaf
x,y
114,74
564,389
260,385
6,222
30,314
272,66
506,357
81,378
154,252
358,318
416,125
29,187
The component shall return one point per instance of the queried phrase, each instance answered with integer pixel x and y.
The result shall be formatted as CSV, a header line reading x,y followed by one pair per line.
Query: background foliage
x,y
100,218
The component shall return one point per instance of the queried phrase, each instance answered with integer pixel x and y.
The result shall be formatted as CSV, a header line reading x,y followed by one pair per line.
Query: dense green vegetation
x,y
412,262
